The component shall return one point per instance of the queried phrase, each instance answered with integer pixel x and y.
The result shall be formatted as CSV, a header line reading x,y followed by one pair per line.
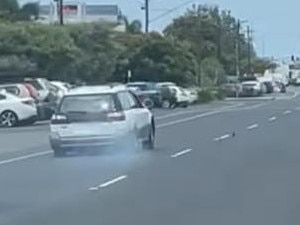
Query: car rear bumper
x,y
79,142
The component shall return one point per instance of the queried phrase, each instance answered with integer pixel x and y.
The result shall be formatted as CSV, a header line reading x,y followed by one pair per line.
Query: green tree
x,y
212,33
9,9
29,11
156,58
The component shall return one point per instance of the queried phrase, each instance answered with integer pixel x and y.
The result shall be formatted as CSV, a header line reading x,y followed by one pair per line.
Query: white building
x,y
77,12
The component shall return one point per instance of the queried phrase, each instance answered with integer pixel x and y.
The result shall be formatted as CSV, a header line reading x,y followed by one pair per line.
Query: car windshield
x,y
87,104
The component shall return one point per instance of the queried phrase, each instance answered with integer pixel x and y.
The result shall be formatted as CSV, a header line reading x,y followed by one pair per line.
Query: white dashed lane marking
x,y
222,137
181,153
254,126
287,112
271,119
108,183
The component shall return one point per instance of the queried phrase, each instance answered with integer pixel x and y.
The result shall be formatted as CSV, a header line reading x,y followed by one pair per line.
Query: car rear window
x,y
12,90
88,104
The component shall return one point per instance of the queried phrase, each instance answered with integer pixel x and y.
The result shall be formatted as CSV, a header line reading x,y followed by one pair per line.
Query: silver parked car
x,y
98,116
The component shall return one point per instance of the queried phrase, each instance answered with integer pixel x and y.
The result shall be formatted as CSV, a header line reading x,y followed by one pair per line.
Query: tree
x,y
134,27
158,59
9,9
212,33
29,11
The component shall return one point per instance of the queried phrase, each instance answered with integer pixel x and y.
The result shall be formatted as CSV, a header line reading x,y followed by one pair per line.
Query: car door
x,y
2,103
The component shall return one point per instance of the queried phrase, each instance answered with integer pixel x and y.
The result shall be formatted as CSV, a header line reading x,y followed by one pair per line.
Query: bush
x,y
205,96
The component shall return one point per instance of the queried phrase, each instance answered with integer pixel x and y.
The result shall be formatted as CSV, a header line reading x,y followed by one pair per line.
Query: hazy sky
x,y
275,23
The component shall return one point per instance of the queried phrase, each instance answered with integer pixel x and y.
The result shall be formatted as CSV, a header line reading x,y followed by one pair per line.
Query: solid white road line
x,y
287,112
271,119
108,183
181,153
7,161
222,137
187,119
252,127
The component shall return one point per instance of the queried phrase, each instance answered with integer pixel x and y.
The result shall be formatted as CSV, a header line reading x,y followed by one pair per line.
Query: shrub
x,y
205,96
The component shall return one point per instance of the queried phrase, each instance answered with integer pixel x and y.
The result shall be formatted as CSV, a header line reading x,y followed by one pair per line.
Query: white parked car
x,y
252,88
99,116
14,110
62,86
174,95
192,94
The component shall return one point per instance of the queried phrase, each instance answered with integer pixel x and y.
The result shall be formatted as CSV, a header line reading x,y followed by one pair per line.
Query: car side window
x,y
123,98
134,101
128,101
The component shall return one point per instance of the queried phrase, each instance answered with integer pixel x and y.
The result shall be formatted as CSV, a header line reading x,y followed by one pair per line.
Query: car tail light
x,y
59,119
116,116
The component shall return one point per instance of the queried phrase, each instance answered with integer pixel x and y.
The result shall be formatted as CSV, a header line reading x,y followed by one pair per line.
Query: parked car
x,y
15,110
232,89
281,87
62,86
18,90
144,98
269,87
192,95
148,90
32,91
164,84
48,97
47,91
252,88
174,95
101,116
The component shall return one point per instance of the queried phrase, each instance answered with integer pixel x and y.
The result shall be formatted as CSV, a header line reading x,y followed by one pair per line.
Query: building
x,y
77,12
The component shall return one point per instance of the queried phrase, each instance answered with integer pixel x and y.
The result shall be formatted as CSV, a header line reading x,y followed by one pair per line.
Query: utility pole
x,y
61,12
249,50
146,16
237,50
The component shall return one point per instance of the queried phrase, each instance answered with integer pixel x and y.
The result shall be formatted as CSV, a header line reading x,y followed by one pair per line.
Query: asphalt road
x,y
228,163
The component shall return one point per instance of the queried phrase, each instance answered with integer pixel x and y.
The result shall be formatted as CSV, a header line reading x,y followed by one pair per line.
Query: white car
x,y
14,110
62,86
252,88
192,94
101,116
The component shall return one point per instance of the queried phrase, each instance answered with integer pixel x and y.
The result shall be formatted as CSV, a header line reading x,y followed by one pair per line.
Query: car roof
x,y
139,83
11,85
100,89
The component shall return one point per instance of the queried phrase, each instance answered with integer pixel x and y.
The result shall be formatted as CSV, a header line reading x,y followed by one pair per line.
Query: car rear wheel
x,y
8,119
150,143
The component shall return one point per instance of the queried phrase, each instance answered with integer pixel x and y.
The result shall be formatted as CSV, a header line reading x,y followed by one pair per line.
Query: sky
x,y
275,24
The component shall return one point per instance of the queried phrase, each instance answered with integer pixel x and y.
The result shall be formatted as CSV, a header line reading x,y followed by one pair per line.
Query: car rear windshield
x,y
88,104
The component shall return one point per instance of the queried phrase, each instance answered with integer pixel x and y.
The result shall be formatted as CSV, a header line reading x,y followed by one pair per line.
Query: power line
x,y
171,10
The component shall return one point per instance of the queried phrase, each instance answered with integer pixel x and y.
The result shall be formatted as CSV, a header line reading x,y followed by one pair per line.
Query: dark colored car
x,y
148,90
